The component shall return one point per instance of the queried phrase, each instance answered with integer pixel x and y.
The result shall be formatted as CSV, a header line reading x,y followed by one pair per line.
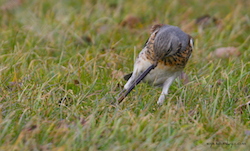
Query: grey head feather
x,y
169,40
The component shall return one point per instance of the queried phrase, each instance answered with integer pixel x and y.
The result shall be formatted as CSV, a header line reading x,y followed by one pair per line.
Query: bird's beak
x,y
125,92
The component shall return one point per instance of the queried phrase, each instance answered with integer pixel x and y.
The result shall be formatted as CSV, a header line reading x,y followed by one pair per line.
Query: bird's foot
x,y
161,99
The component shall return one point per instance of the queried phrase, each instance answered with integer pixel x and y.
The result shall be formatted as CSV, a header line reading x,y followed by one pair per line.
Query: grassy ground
x,y
61,65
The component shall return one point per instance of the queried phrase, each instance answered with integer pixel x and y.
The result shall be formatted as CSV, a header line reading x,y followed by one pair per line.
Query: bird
x,y
161,61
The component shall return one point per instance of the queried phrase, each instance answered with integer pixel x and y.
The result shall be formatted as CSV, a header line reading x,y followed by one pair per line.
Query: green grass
x,y
52,51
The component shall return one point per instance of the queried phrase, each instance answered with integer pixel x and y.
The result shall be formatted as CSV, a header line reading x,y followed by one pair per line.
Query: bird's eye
x,y
146,42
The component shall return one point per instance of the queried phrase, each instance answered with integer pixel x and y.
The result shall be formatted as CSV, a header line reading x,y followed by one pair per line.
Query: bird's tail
x,y
124,93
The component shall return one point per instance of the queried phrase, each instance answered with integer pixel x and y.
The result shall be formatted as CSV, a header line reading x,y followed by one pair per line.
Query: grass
x,y
61,64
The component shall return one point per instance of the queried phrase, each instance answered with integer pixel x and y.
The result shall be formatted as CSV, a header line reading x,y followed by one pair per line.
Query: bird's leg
x,y
165,89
